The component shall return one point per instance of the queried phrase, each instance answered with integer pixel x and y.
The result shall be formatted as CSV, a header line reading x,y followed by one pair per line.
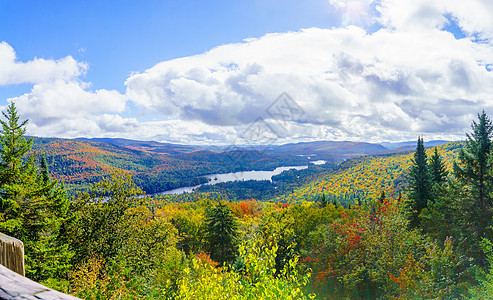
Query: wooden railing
x,y
12,253
13,284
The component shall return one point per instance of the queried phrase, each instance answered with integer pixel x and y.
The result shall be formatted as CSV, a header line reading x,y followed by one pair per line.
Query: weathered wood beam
x,y
15,286
12,254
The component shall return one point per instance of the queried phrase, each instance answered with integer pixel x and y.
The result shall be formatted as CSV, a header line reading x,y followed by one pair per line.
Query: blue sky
x,y
203,71
117,38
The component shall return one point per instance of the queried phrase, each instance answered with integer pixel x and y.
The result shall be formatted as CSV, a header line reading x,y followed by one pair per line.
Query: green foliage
x,y
474,174
44,170
438,170
368,255
484,290
30,205
419,184
255,280
99,226
222,233
323,201
473,167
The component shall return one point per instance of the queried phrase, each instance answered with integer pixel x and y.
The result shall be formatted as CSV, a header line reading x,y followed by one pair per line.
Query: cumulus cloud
x,y
36,70
473,16
406,77
371,84
62,102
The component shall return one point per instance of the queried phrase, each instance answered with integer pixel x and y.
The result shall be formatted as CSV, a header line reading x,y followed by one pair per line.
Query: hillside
x,y
81,162
162,166
366,177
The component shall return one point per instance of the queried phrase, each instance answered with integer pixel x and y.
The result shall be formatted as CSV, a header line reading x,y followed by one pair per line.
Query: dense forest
x,y
398,226
158,167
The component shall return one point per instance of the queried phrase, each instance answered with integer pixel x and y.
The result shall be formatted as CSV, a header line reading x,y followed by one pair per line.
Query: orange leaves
x,y
250,208
407,274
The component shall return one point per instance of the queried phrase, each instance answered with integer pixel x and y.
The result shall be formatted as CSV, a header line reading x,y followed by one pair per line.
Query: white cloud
x,y
37,70
362,84
473,16
67,108
407,78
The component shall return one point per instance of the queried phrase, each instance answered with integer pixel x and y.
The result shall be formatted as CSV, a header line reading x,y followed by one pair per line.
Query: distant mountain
x,y
332,147
158,166
364,178
148,146
411,145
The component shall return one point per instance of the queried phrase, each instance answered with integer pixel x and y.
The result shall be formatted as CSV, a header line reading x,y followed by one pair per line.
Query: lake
x,y
237,176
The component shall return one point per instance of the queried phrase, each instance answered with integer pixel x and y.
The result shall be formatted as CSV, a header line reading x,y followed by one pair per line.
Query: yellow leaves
x,y
86,275
256,281
370,174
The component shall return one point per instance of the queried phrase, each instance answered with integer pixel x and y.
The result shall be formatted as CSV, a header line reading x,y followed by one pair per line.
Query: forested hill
x,y
162,166
80,163
366,177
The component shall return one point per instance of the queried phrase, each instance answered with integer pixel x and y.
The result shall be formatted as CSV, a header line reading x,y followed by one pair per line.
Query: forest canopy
x,y
399,226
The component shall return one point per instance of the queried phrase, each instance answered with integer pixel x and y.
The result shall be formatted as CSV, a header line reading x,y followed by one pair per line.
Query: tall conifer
x,y
419,184
474,168
474,174
27,202
438,171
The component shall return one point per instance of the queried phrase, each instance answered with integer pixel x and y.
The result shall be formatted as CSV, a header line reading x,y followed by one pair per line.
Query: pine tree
x,y
438,172
43,168
13,172
26,201
323,201
382,197
222,234
474,167
474,174
420,191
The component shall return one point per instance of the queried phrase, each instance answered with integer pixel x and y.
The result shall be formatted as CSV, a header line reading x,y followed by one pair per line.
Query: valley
x,y
160,167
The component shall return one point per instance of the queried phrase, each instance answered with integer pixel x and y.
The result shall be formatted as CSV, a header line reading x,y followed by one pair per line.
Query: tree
x,y
382,197
221,233
100,224
474,175
419,184
438,172
323,201
12,170
474,168
27,202
43,170
14,147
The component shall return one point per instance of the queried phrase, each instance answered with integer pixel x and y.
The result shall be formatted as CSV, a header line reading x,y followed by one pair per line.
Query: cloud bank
x,y
409,77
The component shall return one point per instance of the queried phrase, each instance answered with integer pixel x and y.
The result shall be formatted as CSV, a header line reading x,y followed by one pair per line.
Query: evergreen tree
x,y
474,168
43,168
438,172
419,184
382,197
222,233
26,201
323,201
474,175
14,172
14,147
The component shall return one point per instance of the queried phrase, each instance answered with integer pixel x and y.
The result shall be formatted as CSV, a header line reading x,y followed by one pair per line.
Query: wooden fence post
x,y
12,254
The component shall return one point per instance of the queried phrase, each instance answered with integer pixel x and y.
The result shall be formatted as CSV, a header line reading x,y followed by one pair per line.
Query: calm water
x,y
245,175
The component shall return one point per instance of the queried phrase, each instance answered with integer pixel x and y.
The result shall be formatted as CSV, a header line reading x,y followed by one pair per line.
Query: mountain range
x,y
159,166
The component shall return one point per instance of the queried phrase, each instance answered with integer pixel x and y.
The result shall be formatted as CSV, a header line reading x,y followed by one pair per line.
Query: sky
x,y
248,72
